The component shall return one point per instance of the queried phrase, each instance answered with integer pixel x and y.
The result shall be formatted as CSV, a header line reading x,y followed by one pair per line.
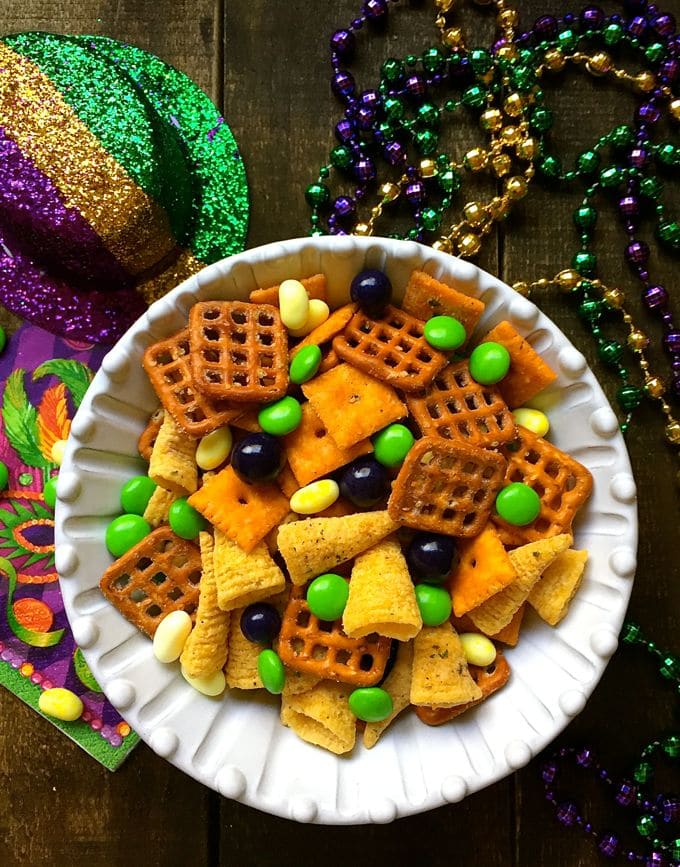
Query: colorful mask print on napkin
x,y
42,381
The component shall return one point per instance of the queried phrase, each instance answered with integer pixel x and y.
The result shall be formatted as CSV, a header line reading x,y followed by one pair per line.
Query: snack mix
x,y
352,509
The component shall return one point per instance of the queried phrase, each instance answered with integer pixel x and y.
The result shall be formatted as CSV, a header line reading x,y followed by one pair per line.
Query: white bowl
x,y
236,744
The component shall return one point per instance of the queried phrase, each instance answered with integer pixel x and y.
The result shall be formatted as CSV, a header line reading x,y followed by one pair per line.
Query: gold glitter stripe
x,y
131,225
184,266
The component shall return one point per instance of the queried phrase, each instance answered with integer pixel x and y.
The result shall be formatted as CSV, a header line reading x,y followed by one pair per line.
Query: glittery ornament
x,y
119,179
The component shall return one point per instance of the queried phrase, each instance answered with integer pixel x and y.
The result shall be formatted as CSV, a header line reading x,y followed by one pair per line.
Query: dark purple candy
x,y
364,482
431,556
258,457
260,623
372,290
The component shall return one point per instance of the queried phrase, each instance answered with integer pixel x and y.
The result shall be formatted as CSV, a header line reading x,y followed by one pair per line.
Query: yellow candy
x,y
315,497
171,636
477,648
57,454
212,684
293,304
532,419
214,448
319,312
61,704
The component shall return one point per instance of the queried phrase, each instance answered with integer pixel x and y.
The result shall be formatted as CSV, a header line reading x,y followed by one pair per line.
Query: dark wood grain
x,y
58,805
268,63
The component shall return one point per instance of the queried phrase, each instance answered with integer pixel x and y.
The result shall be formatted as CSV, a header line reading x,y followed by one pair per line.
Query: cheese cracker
x,y
483,570
352,405
382,597
529,562
245,513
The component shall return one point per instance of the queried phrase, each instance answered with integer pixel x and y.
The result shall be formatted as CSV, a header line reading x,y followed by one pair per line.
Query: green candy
x,y
280,418
489,363
271,671
392,444
434,604
124,532
327,596
444,332
518,504
370,703
3,338
50,492
4,476
136,493
305,364
185,520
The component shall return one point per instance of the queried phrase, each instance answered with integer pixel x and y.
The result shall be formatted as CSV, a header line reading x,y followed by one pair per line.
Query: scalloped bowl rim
x,y
236,745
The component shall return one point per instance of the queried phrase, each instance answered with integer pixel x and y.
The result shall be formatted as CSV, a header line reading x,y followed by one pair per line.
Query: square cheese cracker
x,y
484,569
351,404
313,453
529,562
245,513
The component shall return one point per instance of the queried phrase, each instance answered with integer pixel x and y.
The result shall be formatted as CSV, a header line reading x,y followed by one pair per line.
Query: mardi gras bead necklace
x,y
504,85
654,814
401,113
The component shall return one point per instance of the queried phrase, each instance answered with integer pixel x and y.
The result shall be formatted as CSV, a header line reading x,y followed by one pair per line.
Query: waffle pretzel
x,y
168,366
562,483
458,408
159,575
316,647
239,351
392,349
489,680
147,438
446,487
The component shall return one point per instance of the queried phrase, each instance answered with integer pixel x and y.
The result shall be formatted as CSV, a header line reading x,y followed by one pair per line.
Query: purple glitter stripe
x,y
94,317
52,233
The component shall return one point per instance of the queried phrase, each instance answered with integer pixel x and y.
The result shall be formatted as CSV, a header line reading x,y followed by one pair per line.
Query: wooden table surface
x,y
266,64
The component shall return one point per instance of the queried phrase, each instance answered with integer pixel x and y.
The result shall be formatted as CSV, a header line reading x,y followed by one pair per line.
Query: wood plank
x,y
539,241
58,804
278,102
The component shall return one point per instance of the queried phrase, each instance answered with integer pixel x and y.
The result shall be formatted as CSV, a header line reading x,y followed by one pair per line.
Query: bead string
x,y
516,63
591,310
628,793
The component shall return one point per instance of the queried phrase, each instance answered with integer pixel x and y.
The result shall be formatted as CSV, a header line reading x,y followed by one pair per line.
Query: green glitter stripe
x,y
119,116
221,220
80,732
